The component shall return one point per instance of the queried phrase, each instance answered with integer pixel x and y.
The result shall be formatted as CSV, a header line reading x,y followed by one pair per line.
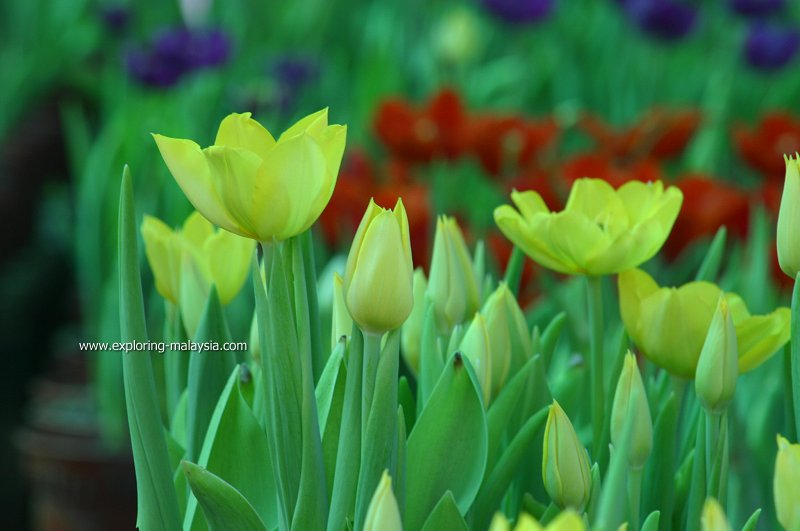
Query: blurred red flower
x,y
421,134
764,146
508,143
660,134
359,179
708,203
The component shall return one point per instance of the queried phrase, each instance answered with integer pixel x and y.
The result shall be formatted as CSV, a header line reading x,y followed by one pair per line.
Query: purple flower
x,y
519,11
176,52
667,20
756,8
294,72
770,47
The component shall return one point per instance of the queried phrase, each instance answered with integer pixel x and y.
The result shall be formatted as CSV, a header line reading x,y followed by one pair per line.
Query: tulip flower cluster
x,y
438,402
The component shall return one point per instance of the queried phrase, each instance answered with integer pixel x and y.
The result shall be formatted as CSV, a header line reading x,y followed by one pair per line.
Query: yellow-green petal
x,y
241,131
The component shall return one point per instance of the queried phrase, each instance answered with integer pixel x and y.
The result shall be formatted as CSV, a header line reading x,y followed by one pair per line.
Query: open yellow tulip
x,y
600,231
669,325
254,186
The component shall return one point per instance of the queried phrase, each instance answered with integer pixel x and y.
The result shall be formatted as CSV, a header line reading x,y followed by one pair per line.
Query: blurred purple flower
x,y
756,8
176,52
116,17
667,20
771,47
519,11
294,72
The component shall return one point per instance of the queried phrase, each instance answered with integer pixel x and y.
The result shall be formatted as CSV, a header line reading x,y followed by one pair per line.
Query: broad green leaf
x,y
497,482
236,450
651,523
445,516
224,507
400,461
406,399
177,426
502,409
430,358
660,468
447,447
207,374
157,503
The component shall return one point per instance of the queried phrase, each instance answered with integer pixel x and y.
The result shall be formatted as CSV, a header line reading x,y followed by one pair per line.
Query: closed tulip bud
x,y
383,513
411,333
631,398
477,346
786,485
378,275
341,322
713,517
717,368
508,335
452,285
565,464
788,239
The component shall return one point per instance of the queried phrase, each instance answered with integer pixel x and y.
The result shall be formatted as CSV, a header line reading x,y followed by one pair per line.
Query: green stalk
x,y
795,355
595,299
157,501
788,393
176,364
372,353
634,496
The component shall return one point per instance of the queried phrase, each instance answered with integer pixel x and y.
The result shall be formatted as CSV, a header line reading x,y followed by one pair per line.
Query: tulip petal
x,y
598,202
520,233
229,260
529,203
197,229
313,124
189,167
235,172
241,131
586,239
759,337
163,249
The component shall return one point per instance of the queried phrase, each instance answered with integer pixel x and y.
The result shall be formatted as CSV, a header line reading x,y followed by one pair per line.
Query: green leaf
x,y
381,433
177,428
498,480
550,337
709,269
613,502
660,469
399,479
502,409
406,399
348,459
330,393
513,273
311,510
431,361
445,516
281,377
651,523
236,450
157,502
208,371
750,524
448,445
224,507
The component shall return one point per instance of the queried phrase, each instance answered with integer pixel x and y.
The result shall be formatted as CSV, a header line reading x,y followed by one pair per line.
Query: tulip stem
x,y
372,352
634,496
795,353
788,393
595,300
713,456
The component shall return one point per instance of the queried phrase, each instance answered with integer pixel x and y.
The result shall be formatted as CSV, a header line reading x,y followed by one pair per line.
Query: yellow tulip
x,y
599,232
476,345
565,464
509,337
630,394
452,285
713,517
786,486
378,285
788,238
220,258
717,367
383,513
411,333
254,186
669,325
